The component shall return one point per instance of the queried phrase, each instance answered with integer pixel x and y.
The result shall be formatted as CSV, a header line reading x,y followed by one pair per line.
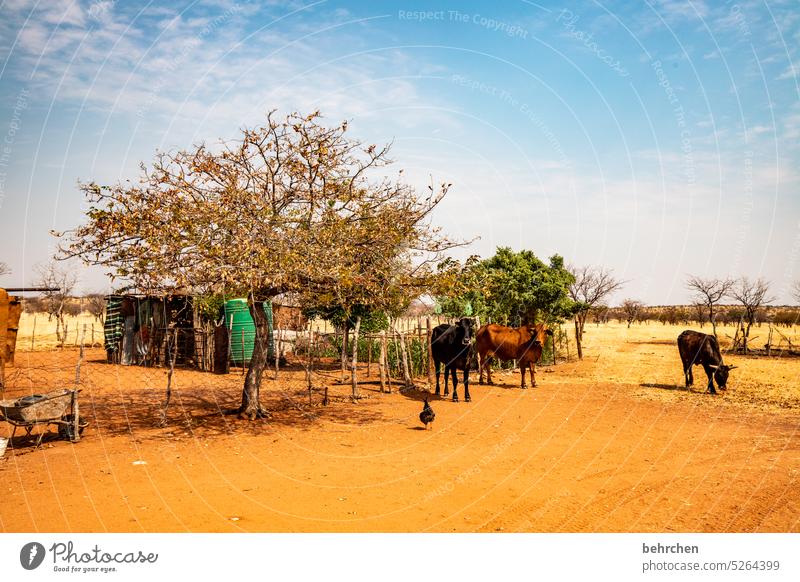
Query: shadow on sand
x,y
201,408
680,387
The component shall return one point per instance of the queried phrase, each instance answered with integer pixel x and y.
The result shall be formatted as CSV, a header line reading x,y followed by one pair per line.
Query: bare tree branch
x,y
709,292
751,295
62,280
630,309
591,286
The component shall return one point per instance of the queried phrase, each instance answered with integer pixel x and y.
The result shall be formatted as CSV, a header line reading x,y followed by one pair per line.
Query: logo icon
x,y
31,555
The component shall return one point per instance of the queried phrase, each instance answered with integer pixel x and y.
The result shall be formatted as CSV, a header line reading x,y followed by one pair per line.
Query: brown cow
x,y
523,344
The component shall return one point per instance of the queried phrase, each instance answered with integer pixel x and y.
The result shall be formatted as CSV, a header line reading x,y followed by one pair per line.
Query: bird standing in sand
x,y
427,415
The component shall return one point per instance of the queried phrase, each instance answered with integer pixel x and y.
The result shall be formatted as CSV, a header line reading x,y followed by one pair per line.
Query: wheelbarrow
x,y
59,407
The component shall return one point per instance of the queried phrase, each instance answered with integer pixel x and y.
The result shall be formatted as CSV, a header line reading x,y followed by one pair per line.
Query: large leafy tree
x,y
462,289
511,288
293,206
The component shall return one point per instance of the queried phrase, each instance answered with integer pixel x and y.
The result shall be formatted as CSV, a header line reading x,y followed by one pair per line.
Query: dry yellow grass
x,y
42,330
646,358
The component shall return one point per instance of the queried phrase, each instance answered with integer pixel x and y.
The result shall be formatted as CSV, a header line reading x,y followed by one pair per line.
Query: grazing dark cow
x,y
701,349
451,346
523,344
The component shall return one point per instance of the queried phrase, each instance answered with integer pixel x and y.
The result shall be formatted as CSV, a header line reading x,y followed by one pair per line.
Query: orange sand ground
x,y
613,443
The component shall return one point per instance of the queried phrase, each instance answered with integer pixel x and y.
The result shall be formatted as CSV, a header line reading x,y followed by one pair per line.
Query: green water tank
x,y
242,330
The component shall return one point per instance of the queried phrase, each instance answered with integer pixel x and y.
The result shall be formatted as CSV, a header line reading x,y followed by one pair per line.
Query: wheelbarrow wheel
x,y
66,429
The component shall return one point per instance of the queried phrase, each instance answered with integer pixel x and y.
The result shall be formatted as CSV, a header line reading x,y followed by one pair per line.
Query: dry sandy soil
x,y
613,443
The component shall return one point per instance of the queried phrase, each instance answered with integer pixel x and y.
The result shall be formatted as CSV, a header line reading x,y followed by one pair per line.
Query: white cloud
x,y
789,73
791,127
690,9
169,65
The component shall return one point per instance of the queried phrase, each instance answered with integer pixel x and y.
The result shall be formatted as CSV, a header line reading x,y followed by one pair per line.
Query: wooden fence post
x,y
172,354
230,341
422,351
429,352
242,338
354,361
76,418
80,361
277,349
404,354
369,354
343,359
382,363
309,360
769,341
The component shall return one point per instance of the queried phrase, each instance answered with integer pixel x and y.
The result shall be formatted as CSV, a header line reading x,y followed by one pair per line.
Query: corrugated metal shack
x,y
148,330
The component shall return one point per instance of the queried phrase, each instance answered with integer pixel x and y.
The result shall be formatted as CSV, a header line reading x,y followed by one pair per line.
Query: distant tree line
x,y
93,304
691,315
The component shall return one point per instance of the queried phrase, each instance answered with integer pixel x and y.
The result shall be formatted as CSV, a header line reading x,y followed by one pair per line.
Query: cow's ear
x,y
731,367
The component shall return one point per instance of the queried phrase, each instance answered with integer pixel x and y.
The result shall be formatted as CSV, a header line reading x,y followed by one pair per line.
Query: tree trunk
x,y
712,320
251,408
578,338
746,335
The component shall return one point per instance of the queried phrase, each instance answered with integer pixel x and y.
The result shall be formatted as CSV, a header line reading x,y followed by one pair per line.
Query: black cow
x,y
451,345
700,349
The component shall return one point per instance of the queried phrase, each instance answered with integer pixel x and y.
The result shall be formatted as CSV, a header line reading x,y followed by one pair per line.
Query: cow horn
x,y
713,367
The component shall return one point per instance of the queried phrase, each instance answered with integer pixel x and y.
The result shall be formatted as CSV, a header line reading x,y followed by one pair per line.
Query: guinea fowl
x,y
427,415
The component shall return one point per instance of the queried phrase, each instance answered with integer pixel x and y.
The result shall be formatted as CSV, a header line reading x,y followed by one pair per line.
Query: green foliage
x,y
372,320
511,288
417,354
462,289
209,307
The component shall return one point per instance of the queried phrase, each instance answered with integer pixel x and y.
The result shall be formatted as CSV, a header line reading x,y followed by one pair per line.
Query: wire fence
x,y
309,368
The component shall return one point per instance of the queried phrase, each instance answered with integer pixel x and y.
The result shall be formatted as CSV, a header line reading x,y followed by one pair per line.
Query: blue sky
x,y
657,138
